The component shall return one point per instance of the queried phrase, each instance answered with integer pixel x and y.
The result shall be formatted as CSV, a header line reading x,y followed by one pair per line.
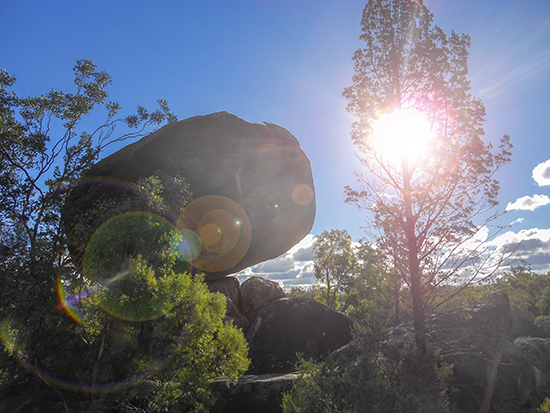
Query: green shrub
x,y
371,374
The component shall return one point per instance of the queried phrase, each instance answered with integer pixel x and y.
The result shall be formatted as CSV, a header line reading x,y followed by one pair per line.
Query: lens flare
x,y
223,228
302,194
115,263
186,245
67,303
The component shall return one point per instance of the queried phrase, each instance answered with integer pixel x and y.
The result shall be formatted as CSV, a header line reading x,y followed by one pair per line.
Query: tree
x,y
372,374
335,263
146,318
41,155
423,209
369,293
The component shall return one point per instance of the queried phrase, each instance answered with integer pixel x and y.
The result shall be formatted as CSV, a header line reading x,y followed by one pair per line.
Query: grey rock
x,y
230,287
288,326
257,292
475,345
252,394
256,172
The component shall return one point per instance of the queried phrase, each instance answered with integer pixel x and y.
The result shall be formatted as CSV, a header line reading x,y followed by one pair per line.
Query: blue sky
x,y
287,62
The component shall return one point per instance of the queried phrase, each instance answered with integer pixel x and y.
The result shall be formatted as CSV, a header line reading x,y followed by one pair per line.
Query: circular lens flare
x,y
302,194
186,245
223,228
115,264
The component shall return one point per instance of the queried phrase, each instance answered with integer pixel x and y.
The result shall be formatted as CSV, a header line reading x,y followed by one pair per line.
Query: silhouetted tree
x,y
424,210
43,153
335,264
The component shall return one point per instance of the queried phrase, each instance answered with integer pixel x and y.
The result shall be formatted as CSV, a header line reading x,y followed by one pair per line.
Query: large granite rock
x,y
252,185
230,287
487,366
287,326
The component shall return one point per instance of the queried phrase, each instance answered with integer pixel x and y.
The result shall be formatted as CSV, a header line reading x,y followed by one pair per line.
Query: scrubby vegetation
x,y
120,324
372,374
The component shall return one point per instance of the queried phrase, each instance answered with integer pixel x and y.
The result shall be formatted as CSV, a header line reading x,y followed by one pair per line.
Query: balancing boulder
x,y
252,186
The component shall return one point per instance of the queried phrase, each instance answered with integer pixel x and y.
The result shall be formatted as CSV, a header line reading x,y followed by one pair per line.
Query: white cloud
x,y
280,264
305,243
541,173
531,245
517,221
293,268
528,203
303,254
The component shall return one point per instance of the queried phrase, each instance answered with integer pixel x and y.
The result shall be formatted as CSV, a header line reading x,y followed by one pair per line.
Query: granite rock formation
x,y
252,394
287,326
251,183
488,368
258,292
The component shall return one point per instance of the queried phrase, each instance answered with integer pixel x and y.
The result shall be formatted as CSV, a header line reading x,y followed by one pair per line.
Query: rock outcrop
x,y
230,287
253,394
252,185
488,368
277,328
258,292
287,326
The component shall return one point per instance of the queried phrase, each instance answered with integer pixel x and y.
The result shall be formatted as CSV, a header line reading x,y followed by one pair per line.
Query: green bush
x,y
371,374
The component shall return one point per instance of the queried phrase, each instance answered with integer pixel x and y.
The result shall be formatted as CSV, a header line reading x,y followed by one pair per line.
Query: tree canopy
x,y
127,325
423,209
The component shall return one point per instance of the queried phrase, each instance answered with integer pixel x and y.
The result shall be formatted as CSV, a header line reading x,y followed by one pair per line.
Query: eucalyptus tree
x,y
424,204
44,150
335,265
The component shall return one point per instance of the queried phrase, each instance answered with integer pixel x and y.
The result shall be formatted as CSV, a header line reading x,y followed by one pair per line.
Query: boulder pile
x,y
277,328
489,369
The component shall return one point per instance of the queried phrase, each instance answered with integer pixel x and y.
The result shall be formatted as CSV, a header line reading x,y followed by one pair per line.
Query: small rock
x,y
257,292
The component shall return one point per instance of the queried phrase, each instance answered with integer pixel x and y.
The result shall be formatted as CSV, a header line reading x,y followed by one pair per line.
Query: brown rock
x,y
230,287
257,292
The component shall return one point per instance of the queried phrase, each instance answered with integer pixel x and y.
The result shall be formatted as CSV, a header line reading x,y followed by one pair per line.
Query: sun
x,y
401,134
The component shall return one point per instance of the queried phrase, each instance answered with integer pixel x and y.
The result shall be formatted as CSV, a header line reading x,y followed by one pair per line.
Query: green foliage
x,y
369,293
351,278
529,295
335,264
545,406
299,292
148,335
189,347
374,375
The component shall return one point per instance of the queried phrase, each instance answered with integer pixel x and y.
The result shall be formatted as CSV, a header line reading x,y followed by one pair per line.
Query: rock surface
x,y
257,292
253,394
294,325
485,360
230,287
254,176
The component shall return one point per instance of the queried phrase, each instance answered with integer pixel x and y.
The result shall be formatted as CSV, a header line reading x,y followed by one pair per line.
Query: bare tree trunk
x,y
414,265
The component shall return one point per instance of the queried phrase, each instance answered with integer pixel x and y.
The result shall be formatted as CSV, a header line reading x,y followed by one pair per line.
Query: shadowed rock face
x,y
287,326
257,174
